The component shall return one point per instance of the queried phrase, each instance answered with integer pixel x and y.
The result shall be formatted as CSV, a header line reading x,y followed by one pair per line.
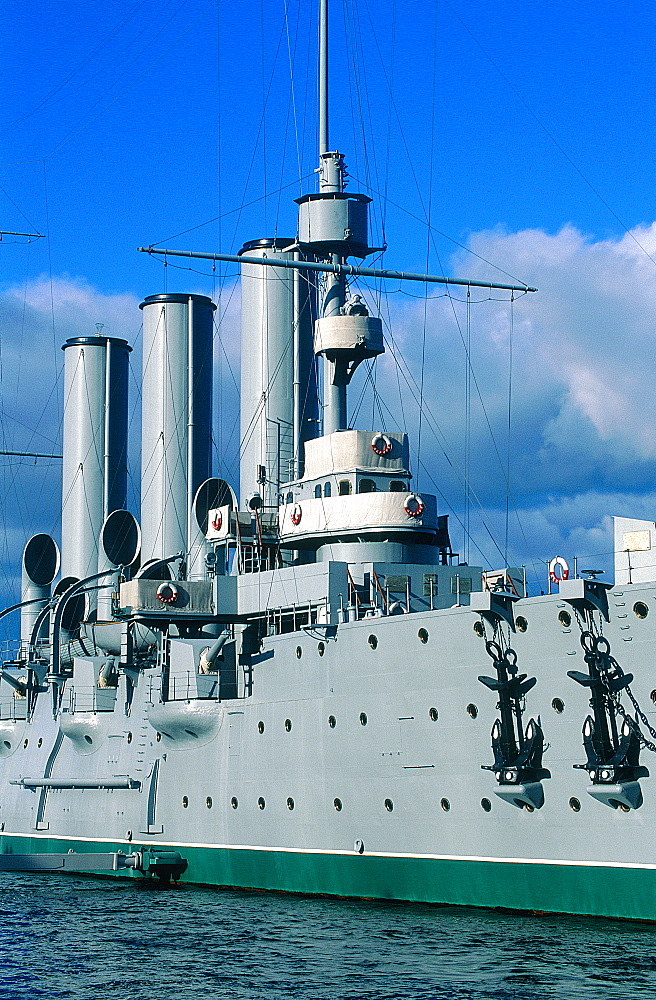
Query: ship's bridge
x,y
357,485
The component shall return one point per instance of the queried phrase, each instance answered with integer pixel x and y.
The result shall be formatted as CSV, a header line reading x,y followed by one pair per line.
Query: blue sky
x,y
524,131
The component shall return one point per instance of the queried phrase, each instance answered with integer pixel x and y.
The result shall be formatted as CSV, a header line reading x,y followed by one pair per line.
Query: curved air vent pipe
x,y
40,566
176,418
119,545
94,466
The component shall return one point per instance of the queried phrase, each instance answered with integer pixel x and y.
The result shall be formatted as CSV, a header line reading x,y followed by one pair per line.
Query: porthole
x,y
575,805
39,742
129,737
321,648
185,801
472,711
290,803
363,718
433,713
653,696
87,739
640,609
260,727
389,805
373,641
25,742
299,652
520,623
528,807
234,802
623,806
332,721
446,805
158,737
565,619
337,804
288,725
558,705
479,629
6,744
422,635
261,803
208,801
486,805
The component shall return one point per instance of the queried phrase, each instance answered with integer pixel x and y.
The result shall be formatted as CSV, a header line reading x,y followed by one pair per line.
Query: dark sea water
x,y
74,937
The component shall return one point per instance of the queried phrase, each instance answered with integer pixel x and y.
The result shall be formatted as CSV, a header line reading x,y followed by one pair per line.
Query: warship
x,y
297,685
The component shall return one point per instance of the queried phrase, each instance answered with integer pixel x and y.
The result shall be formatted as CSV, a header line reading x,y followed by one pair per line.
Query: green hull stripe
x,y
628,893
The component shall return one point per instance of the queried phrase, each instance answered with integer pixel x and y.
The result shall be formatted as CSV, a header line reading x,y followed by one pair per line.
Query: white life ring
x,y
217,522
381,444
564,570
414,505
297,514
167,592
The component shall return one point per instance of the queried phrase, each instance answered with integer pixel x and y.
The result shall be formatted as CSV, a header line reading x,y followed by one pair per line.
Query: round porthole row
x,y
472,711
486,805
433,714
299,652
290,803
373,641
575,805
260,727
640,609
261,803
332,721
445,804
129,737
185,801
288,725
234,802
208,802
321,648
558,705
521,624
389,805
363,718
422,635
565,619
337,803
479,629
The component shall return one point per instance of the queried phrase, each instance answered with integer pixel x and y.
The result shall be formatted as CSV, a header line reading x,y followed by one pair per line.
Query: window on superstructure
x,y
327,490
396,486
317,492
289,498
366,486
344,488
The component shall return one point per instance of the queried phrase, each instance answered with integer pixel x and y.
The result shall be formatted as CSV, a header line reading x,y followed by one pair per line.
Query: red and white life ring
x,y
381,444
297,514
167,593
556,563
217,522
414,505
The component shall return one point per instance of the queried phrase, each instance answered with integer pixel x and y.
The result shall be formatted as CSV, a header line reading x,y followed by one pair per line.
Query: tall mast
x,y
323,77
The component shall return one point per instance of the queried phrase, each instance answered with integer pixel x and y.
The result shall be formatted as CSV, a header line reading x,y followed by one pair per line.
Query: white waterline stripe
x,y
34,834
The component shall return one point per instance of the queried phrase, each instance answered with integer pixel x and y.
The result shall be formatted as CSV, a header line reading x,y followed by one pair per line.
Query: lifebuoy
x,y
414,505
381,444
217,522
167,593
564,570
297,514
